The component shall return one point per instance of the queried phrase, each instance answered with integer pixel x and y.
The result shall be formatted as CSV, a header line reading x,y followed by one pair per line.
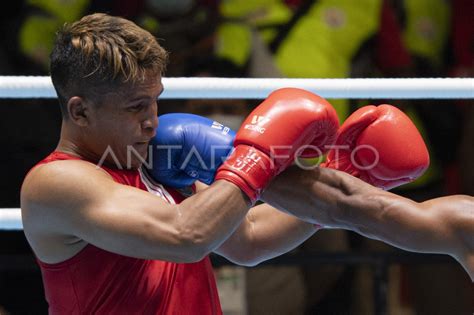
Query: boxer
x,y
110,240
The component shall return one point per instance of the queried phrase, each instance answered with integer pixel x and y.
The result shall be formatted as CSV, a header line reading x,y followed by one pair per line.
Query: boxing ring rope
x,y
10,219
252,88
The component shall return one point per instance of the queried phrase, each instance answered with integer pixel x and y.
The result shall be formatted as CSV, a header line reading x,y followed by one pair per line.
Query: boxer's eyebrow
x,y
139,98
143,97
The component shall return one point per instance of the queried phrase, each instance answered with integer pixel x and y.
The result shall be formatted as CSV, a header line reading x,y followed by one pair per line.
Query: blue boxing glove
x,y
187,148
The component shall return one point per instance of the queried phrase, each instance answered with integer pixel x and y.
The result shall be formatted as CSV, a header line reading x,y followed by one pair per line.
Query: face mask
x,y
231,121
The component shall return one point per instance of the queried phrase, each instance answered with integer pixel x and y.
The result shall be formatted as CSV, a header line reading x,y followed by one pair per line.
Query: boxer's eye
x,y
136,108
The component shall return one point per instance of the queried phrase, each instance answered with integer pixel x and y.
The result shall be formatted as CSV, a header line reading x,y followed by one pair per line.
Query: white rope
x,y
226,88
10,219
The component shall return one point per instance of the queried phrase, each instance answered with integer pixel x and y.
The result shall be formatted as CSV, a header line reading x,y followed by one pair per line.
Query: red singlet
x,y
96,281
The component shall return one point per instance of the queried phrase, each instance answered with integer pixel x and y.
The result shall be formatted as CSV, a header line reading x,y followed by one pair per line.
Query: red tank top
x,y
96,281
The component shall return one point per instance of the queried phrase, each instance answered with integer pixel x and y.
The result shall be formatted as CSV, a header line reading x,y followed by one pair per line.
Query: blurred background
x,y
271,38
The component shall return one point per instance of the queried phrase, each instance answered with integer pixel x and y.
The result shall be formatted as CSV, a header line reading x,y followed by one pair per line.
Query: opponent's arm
x,y
337,200
265,233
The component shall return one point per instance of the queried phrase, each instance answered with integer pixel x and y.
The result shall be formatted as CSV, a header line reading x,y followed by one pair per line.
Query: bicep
x,y
86,203
455,216
128,221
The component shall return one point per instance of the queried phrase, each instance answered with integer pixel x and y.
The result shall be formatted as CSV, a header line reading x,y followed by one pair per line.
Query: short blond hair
x,y
102,52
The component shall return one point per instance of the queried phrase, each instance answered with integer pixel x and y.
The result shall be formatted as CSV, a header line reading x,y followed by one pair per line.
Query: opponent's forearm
x,y
264,234
314,196
337,200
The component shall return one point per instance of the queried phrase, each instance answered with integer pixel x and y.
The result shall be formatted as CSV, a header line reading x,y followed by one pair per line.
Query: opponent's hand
x,y
381,146
276,131
187,148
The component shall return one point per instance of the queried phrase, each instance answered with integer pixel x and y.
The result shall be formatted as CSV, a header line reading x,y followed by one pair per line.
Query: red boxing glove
x,y
381,146
277,131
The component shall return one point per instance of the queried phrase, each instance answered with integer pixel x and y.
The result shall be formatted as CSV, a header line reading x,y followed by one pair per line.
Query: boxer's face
x,y
122,125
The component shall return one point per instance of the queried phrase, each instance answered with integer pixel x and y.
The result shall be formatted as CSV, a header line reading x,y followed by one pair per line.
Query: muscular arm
x,y
265,233
337,200
68,202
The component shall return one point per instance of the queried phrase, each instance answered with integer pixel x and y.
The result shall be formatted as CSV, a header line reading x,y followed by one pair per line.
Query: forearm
x,y
315,196
337,200
264,234
209,217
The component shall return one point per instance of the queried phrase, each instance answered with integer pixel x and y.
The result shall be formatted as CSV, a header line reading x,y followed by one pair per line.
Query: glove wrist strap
x,y
248,168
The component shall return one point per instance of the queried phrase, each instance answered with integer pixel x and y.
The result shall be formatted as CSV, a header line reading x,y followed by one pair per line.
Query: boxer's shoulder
x,y
51,192
60,185
63,170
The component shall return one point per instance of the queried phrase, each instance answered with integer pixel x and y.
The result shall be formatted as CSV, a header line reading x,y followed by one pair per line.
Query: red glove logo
x,y
257,124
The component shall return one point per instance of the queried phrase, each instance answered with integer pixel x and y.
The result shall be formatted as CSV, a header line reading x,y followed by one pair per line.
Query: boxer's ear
x,y
78,111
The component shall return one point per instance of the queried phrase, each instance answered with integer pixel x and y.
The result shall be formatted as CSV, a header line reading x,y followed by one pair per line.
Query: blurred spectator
x,y
185,27
426,26
44,18
309,39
